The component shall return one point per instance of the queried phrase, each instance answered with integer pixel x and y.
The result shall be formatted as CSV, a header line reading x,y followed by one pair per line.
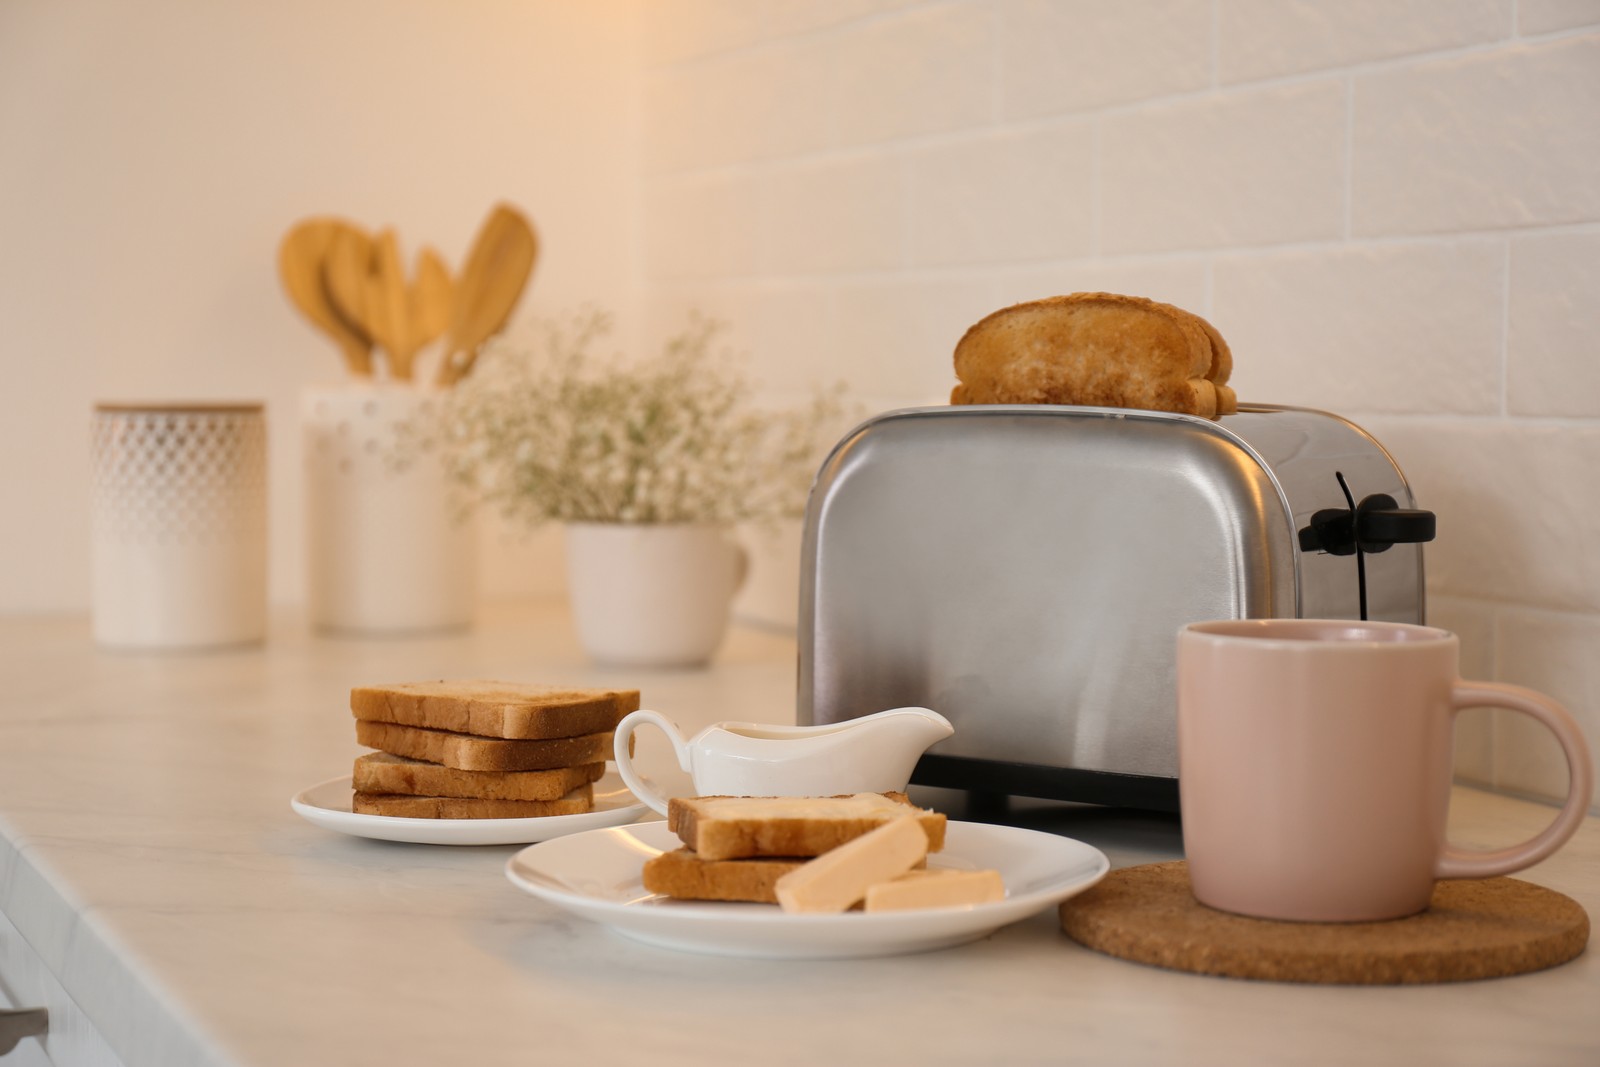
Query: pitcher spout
x,y
921,726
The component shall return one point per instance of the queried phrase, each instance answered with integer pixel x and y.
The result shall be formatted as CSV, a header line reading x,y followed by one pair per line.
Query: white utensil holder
x,y
179,525
390,546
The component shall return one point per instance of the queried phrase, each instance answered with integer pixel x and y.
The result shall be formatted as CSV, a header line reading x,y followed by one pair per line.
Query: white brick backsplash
x,y
1544,16
1267,38
898,338
1180,282
1505,138
1553,340
1253,167
676,30
772,101
1069,55
1554,654
703,226
784,329
925,71
1519,519
1013,196
1413,327
840,214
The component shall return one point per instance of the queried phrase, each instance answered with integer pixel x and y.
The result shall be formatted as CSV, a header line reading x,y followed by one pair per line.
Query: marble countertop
x,y
149,857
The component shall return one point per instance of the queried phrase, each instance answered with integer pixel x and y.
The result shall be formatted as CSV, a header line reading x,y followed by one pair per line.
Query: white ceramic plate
x,y
598,875
328,806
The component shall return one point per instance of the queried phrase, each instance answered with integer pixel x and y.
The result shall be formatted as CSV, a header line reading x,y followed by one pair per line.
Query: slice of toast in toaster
x,y
1095,349
722,828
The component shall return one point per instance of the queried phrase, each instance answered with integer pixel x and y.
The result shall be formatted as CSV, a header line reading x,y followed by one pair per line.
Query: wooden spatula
x,y
301,257
389,316
487,291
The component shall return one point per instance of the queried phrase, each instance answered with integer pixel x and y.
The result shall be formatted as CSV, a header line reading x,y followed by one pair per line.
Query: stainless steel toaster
x,y
1024,571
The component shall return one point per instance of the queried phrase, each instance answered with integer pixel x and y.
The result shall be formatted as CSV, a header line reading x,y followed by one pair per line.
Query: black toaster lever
x,y
1382,523
1377,524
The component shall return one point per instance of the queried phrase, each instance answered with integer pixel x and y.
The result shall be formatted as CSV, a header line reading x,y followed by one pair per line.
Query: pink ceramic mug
x,y
1315,766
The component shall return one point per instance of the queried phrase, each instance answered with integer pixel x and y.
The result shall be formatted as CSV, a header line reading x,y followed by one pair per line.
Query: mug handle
x,y
1468,863
622,753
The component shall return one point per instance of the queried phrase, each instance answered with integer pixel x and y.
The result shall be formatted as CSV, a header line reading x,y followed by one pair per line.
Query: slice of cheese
x,y
936,889
838,878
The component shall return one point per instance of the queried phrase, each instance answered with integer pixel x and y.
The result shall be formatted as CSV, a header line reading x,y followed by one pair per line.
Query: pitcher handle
x,y
622,751
1470,863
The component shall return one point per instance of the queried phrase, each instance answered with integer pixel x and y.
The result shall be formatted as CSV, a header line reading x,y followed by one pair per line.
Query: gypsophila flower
x,y
547,432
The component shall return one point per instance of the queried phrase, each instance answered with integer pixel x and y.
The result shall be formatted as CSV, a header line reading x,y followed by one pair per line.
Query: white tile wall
x,y
1492,139
1244,167
1390,207
1072,55
1553,314
1269,38
1415,327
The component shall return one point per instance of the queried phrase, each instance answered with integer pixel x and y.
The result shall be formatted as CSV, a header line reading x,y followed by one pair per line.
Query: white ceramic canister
x,y
391,545
179,524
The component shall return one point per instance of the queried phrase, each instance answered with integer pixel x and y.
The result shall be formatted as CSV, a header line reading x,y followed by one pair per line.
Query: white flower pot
x,y
389,548
180,525
652,596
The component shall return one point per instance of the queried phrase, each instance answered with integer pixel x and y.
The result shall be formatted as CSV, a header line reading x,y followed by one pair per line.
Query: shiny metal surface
x,y
1024,570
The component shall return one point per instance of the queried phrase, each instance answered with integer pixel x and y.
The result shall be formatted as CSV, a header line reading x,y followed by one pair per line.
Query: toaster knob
x,y
1382,523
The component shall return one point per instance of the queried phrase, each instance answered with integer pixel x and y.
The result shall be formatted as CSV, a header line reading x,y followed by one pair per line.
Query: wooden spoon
x,y
429,297
301,255
389,316
490,284
344,275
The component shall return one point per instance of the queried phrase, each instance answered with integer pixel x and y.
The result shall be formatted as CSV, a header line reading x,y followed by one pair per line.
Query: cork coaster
x,y
1472,929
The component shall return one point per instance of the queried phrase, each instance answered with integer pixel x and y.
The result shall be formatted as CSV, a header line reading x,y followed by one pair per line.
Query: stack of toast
x,y
482,749
811,854
1096,349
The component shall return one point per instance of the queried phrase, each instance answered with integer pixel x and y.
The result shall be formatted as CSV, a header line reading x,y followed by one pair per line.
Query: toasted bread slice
x,y
1221,364
495,709
576,802
467,752
683,875
1095,349
384,772
723,828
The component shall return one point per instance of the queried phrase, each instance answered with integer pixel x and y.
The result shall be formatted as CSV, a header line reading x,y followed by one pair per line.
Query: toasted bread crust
x,y
717,829
495,709
470,753
577,802
683,875
384,772
1094,349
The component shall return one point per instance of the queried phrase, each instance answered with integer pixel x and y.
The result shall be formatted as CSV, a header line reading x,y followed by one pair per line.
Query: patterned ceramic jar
x,y
179,524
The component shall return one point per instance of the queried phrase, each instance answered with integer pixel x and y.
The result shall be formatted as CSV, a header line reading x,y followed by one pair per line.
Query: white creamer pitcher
x,y
872,754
